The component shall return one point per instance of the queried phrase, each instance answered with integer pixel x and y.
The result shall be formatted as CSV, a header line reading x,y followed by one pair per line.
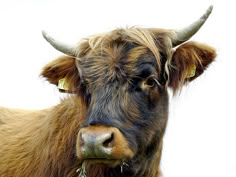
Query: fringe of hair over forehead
x,y
156,40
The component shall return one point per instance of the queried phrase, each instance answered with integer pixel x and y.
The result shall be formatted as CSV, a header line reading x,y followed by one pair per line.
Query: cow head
x,y
122,76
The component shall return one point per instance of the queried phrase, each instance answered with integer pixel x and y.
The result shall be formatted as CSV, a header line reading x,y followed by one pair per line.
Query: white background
x,y
201,136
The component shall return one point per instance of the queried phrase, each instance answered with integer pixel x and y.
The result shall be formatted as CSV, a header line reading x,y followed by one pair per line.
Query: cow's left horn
x,y
64,48
187,32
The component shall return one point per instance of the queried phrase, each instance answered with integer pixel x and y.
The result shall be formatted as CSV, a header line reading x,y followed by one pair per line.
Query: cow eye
x,y
150,82
147,84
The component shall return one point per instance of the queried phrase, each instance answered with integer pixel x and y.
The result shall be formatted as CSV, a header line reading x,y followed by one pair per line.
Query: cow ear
x,y
62,72
188,62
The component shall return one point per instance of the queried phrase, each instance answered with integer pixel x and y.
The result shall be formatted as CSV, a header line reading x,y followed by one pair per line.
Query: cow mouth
x,y
105,162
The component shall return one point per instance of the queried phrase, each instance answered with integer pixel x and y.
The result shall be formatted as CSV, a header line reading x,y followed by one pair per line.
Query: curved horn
x,y
187,32
64,48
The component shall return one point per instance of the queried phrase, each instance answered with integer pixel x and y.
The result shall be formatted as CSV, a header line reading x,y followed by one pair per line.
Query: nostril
x,y
109,141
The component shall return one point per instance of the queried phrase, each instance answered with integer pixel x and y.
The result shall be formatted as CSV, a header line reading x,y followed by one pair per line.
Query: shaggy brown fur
x,y
118,79
36,143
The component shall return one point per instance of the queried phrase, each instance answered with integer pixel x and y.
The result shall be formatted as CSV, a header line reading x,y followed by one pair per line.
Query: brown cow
x,y
113,121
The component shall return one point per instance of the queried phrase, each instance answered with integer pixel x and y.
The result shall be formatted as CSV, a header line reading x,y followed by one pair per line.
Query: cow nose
x,y
96,143
102,142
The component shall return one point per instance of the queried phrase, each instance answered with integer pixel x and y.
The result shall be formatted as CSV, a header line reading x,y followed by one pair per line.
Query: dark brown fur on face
x,y
119,79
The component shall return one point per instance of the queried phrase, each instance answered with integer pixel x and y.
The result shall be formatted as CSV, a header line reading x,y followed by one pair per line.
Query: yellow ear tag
x,y
63,84
192,71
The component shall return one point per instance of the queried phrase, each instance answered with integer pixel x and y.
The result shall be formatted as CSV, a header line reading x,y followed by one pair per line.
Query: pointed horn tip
x,y
44,33
47,37
208,12
210,8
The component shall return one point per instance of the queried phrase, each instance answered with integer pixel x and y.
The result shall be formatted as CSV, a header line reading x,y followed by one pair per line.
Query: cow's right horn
x,y
186,33
64,48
